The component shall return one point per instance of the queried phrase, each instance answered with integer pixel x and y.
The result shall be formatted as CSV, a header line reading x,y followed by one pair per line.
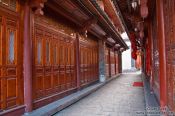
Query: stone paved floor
x,y
117,98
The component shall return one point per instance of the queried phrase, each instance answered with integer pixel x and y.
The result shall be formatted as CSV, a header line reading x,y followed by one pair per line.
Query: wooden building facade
x,y
50,49
159,53
151,27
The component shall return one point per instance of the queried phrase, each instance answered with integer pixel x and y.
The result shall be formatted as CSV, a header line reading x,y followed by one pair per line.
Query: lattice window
x,y
66,55
55,55
11,47
62,55
72,56
47,52
39,52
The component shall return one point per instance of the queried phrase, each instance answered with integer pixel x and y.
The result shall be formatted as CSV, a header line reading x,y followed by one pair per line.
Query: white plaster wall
x,y
126,55
126,58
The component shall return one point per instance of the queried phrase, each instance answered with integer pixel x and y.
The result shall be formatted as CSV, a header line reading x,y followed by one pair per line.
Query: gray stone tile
x,y
117,98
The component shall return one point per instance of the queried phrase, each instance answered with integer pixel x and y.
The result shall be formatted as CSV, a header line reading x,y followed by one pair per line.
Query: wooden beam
x,y
88,24
37,6
54,6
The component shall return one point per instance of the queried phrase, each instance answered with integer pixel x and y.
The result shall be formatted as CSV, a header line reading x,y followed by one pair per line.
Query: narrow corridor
x,y
117,98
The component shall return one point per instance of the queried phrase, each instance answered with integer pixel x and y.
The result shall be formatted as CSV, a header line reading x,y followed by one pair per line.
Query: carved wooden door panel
x,y
10,63
93,66
112,63
48,80
72,66
117,66
115,62
82,55
38,70
68,67
56,64
46,63
85,65
54,60
88,72
89,61
62,65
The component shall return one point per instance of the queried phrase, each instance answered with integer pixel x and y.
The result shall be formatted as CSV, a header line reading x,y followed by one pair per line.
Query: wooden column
x,y
102,63
162,54
78,60
27,60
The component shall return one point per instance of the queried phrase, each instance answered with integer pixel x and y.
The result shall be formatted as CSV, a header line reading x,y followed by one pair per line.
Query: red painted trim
x,y
162,56
27,60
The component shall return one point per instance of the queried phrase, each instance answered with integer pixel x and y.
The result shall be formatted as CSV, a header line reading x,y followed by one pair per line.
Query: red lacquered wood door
x,y
54,62
89,61
117,66
11,81
112,56
82,65
62,66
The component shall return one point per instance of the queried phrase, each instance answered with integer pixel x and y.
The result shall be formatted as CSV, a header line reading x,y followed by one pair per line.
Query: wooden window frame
x,y
9,29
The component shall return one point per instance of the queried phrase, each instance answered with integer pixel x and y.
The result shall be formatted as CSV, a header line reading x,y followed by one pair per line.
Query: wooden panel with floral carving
x,y
11,81
107,60
54,54
89,61
112,57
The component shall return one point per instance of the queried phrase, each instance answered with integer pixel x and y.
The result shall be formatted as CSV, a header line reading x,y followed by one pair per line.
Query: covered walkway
x,y
55,52
117,98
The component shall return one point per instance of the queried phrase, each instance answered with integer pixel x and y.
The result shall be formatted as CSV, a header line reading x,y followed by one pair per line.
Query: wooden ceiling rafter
x,y
130,15
82,7
85,18
121,17
113,14
88,24
61,11
37,6
94,10
106,21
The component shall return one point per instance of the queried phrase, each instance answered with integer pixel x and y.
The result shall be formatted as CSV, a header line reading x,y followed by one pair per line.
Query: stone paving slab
x,y
56,106
117,98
